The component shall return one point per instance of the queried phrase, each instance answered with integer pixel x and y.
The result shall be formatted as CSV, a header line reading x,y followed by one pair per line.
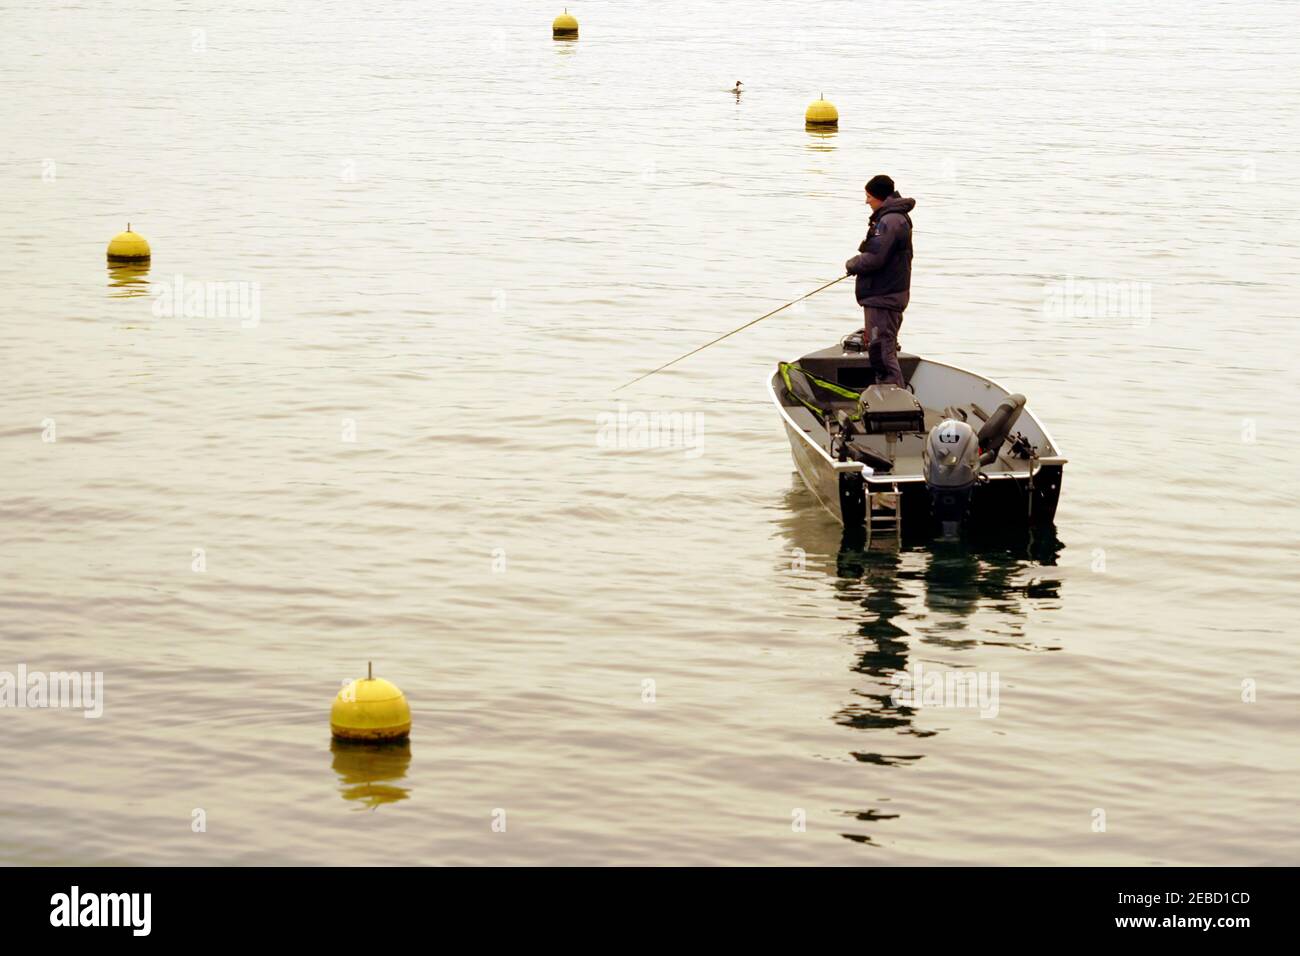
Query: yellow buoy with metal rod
x,y
128,247
564,26
822,114
370,709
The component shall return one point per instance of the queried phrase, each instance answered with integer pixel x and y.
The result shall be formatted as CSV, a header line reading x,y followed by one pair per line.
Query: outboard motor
x,y
951,464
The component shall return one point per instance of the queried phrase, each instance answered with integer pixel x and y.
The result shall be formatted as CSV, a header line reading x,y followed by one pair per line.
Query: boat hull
x,y
1005,501
1002,500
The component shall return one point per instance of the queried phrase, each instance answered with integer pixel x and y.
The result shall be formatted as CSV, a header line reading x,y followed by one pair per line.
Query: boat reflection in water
x,y
915,602
367,771
128,279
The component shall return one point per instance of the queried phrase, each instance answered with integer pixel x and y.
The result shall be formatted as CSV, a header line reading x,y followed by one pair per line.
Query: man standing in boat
x,y
884,270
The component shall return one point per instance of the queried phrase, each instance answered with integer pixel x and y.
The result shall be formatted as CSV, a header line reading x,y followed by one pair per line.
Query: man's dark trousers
x,y
883,319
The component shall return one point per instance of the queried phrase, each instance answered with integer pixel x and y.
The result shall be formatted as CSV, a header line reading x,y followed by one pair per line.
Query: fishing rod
x,y
733,332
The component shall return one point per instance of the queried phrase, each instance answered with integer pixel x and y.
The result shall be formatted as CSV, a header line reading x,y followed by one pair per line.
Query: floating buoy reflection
x,y
367,771
821,140
128,279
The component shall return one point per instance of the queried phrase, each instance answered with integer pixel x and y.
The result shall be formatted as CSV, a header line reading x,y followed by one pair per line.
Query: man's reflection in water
x,y
367,771
919,593
882,650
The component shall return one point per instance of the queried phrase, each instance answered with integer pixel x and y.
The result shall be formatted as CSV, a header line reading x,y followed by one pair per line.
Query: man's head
x,y
879,188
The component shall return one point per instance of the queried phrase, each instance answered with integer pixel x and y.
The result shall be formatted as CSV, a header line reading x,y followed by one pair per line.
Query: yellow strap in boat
x,y
821,383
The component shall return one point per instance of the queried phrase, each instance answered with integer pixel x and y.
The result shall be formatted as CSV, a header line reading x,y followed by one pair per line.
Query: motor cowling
x,y
950,463
951,458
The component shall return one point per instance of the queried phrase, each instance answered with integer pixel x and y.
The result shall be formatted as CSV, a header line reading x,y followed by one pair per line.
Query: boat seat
x,y
888,408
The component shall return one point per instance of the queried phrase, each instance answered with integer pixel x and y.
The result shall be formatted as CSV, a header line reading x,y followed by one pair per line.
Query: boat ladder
x,y
885,515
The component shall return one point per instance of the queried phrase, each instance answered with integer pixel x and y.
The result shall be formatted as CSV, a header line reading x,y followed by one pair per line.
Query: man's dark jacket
x,y
884,263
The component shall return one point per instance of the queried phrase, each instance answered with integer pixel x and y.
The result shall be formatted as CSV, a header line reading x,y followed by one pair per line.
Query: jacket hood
x,y
894,203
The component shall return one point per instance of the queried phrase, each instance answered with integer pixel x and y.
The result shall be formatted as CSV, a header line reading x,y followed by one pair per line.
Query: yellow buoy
x,y
822,114
370,709
564,26
128,247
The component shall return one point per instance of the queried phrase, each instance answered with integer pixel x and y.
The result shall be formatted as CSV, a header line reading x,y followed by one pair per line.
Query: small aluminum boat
x,y
951,451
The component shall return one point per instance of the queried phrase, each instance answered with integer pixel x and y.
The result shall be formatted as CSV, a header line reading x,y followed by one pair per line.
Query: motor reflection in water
x,y
367,771
915,601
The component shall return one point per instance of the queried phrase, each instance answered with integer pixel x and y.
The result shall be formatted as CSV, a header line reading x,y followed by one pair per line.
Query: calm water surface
x,y
463,236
